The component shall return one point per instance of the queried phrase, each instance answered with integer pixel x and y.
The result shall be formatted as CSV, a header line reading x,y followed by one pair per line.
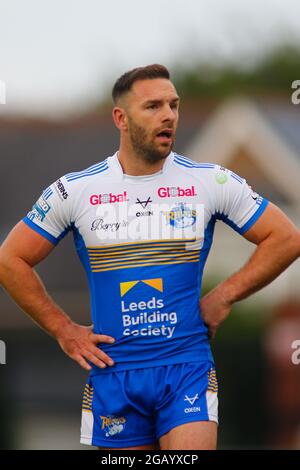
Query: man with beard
x,y
143,222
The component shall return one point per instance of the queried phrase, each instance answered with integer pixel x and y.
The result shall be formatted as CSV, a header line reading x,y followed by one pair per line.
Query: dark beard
x,y
146,151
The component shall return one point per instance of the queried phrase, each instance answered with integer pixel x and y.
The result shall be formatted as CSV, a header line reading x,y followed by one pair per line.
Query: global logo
x,y
180,216
175,191
96,199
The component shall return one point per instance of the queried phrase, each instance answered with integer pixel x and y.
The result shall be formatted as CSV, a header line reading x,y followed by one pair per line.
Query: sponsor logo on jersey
x,y
194,409
107,198
60,189
142,317
39,210
175,191
144,204
180,216
254,195
112,425
191,400
144,213
99,224
221,178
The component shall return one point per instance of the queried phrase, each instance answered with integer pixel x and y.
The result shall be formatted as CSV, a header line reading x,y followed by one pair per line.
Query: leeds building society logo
x,y
112,425
143,317
180,216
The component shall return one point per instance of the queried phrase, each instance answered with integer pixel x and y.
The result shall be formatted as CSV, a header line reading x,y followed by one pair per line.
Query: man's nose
x,y
168,114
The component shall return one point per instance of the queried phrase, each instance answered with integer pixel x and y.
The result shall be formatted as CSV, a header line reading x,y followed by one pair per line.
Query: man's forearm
x,y
25,287
271,257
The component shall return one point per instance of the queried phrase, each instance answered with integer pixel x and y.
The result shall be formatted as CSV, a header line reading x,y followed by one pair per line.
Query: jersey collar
x,y
115,164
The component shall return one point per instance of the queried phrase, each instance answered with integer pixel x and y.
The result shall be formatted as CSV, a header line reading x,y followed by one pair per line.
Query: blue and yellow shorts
x,y
137,407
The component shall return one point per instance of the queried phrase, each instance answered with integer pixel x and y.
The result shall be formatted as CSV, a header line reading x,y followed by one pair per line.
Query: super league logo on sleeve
x,y
39,210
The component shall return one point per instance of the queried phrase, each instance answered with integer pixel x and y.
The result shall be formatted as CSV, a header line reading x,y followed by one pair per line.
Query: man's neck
x,y
134,165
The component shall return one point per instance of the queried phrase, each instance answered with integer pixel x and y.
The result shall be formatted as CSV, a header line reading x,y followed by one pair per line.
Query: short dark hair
x,y
125,82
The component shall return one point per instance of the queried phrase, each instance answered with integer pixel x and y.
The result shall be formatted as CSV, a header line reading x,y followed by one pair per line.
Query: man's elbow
x,y
4,265
292,243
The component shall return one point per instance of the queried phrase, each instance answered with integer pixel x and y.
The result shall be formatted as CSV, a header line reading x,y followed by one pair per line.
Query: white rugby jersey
x,y
144,241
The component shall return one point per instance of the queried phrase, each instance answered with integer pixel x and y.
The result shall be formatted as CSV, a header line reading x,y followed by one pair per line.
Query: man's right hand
x,y
80,343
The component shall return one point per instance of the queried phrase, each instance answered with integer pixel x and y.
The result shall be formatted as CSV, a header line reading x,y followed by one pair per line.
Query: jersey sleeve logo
x,y
39,210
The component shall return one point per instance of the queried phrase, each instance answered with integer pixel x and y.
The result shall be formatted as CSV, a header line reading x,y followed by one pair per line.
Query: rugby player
x,y
143,222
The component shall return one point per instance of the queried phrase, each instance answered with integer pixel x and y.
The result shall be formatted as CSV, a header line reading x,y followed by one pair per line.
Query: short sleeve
x,y
236,203
50,215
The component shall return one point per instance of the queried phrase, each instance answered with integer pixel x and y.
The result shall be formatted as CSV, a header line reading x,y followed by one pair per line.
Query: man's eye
x,y
152,106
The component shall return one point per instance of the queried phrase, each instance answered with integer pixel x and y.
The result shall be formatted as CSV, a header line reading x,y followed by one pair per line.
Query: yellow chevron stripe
x,y
142,262
88,387
155,283
169,240
134,259
87,403
142,265
126,286
138,252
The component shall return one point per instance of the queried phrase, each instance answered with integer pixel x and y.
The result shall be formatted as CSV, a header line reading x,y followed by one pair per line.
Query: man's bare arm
x,y
278,245
22,250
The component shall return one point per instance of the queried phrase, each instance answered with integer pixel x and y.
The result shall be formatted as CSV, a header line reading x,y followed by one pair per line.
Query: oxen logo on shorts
x,y
112,425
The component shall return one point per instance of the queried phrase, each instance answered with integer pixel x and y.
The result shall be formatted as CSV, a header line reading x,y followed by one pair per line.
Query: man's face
x,y
152,112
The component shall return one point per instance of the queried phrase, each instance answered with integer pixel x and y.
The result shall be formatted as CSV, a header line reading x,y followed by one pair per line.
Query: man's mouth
x,y
166,135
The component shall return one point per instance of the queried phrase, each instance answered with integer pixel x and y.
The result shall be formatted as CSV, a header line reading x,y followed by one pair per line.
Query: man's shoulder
x,y
193,168
88,173
186,163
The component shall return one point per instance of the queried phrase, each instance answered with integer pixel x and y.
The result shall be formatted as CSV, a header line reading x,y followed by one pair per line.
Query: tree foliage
x,y
272,74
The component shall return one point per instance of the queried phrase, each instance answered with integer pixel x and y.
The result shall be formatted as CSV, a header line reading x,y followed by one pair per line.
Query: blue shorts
x,y
137,407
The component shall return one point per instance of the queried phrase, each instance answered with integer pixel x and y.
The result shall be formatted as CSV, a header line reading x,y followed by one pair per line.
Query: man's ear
x,y
120,118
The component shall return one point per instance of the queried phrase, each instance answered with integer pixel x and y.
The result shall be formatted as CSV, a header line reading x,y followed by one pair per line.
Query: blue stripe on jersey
x,y
190,163
47,193
90,172
227,221
254,218
251,221
84,258
93,170
41,231
236,177
87,170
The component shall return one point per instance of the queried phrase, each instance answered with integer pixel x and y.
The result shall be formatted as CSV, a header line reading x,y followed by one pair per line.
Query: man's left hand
x,y
214,310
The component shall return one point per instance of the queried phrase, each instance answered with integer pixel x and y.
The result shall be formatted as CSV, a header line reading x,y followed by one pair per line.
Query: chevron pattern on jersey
x,y
139,254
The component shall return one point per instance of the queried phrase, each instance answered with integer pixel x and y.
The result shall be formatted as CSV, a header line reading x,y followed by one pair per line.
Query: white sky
x,y
59,55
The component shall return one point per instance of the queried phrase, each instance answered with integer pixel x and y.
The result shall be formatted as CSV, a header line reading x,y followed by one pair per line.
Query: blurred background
x,y
234,65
